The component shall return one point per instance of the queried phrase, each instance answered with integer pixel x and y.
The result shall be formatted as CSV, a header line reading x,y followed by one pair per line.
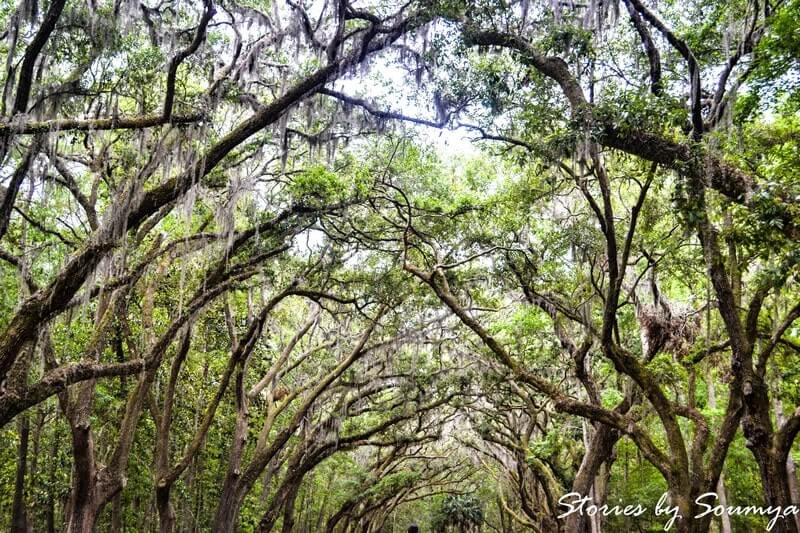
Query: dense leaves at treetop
x,y
342,266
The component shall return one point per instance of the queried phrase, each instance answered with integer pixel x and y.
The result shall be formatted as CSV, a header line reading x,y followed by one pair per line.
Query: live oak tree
x,y
242,291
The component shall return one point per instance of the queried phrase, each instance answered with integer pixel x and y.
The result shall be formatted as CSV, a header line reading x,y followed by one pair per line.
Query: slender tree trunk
x,y
325,500
19,516
195,505
791,468
50,506
116,514
725,519
501,512
306,504
189,509
794,489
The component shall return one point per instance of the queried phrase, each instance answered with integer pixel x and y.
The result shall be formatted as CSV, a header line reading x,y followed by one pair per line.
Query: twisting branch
x,y
308,28
766,351
746,46
649,47
381,114
172,72
32,53
553,67
72,186
98,124
53,299
10,196
12,403
563,403
694,69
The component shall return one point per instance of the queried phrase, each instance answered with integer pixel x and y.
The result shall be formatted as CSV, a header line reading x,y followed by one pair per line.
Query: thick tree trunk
x,y
334,520
600,450
775,480
686,522
288,510
82,506
758,431
228,510
790,468
166,511
600,493
284,500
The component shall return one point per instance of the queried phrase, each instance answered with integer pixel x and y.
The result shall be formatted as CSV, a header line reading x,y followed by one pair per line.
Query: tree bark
x,y
794,490
229,502
116,514
288,509
19,517
82,505
50,506
775,482
166,511
725,520
600,449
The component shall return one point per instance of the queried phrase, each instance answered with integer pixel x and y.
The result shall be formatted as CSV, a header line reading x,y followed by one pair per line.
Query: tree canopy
x,y
343,266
